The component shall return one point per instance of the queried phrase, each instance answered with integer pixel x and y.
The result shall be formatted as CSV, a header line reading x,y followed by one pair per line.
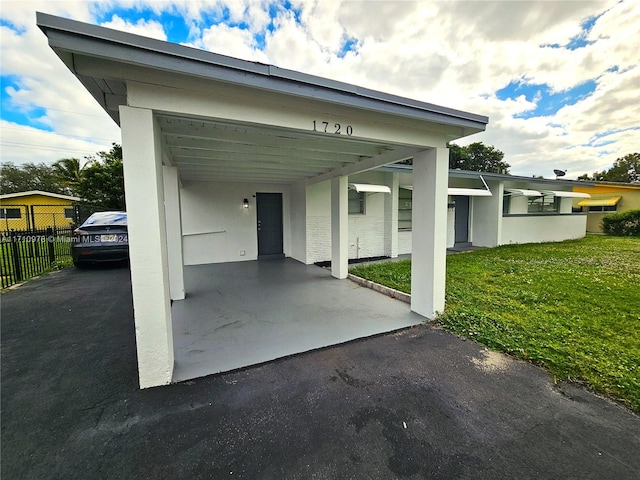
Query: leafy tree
x,y
30,176
477,157
98,180
102,179
625,169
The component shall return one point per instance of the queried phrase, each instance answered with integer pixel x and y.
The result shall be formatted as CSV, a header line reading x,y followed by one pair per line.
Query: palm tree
x,y
70,172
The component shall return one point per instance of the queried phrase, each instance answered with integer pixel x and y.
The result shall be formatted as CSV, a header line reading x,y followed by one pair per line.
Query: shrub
x,y
626,224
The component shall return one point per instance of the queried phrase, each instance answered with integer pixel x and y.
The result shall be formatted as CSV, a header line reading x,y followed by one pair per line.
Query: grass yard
x,y
571,307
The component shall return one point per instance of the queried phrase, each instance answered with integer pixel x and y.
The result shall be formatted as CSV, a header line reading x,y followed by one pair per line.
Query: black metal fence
x,y
35,237
26,253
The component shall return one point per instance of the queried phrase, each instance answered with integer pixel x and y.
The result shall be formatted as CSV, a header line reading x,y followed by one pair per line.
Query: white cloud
x,y
22,144
231,41
455,54
142,27
44,82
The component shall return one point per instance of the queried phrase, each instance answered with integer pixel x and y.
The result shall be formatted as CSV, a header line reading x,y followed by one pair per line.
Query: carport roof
x,y
221,147
69,38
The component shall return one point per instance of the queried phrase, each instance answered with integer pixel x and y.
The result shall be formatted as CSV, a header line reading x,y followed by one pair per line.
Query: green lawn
x,y
571,307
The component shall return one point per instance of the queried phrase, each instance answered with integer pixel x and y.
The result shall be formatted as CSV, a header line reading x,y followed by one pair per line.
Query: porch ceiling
x,y
211,150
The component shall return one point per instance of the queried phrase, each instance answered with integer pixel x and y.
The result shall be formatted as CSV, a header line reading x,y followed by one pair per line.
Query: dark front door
x,y
269,213
462,219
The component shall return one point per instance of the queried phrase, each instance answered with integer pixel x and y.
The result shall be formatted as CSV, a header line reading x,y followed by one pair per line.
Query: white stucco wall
x,y
215,226
366,231
404,242
318,222
486,217
298,209
451,226
542,228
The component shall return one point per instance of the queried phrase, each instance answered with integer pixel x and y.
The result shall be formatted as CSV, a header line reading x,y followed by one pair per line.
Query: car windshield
x,y
106,218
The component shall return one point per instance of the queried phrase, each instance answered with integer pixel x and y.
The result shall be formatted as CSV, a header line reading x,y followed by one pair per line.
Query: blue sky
x,y
559,81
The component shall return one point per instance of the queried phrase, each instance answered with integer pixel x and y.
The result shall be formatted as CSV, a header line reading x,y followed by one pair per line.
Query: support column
x,y
174,232
391,216
429,231
144,190
339,227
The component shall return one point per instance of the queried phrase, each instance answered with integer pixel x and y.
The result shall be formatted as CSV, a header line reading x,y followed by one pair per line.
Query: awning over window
x,y
523,192
599,202
558,193
366,187
469,192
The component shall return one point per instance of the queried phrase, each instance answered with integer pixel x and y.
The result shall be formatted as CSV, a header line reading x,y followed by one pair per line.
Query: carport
x,y
211,141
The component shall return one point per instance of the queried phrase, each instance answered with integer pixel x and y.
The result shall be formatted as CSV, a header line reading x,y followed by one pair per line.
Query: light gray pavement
x,y
415,404
246,313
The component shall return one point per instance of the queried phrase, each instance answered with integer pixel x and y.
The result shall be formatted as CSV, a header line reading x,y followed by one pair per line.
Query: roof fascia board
x,y
455,173
41,193
82,38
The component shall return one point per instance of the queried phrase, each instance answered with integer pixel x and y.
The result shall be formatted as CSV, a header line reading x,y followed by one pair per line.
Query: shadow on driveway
x,y
416,404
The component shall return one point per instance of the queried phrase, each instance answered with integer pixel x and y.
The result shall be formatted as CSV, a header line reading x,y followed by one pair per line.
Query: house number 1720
x,y
336,128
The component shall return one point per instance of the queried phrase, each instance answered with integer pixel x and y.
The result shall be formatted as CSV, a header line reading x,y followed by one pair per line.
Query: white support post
x,y
174,232
391,216
142,158
339,227
429,231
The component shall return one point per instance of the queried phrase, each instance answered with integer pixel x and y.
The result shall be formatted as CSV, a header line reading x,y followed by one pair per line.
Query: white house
x,y
490,209
227,160
483,209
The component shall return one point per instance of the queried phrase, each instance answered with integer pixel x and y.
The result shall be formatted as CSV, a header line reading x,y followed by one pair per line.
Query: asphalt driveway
x,y
419,403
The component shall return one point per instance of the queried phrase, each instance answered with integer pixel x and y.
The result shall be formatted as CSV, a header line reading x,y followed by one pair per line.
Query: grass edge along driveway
x,y
571,307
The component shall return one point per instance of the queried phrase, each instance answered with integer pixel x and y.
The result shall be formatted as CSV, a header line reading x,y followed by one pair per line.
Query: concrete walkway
x,y
415,404
246,313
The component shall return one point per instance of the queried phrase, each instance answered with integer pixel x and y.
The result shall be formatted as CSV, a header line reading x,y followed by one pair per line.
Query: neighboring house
x,y
36,210
227,160
606,198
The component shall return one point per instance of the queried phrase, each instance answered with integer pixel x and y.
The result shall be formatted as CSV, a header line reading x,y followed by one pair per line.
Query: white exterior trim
x,y
523,192
469,192
429,231
40,192
142,159
557,193
366,187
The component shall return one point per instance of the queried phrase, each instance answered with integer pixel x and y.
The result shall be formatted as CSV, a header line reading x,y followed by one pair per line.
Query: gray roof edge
x,y
47,21
372,94
51,22
455,173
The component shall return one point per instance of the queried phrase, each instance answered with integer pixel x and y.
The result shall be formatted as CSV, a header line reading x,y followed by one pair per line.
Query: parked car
x,y
102,237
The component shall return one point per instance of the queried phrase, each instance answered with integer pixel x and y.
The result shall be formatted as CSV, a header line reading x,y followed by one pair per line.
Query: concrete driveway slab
x,y
419,403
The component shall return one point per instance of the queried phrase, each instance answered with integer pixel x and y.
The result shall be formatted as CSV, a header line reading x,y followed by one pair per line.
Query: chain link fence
x,y
36,238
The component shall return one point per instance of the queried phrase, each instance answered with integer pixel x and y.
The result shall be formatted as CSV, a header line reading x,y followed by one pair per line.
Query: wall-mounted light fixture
x,y
245,203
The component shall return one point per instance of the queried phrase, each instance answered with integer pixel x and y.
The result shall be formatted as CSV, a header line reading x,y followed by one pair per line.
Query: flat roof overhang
x,y
69,38
108,62
515,179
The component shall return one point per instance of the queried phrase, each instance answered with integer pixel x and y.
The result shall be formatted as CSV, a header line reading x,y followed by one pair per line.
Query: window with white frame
x,y
544,204
506,204
405,205
357,202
